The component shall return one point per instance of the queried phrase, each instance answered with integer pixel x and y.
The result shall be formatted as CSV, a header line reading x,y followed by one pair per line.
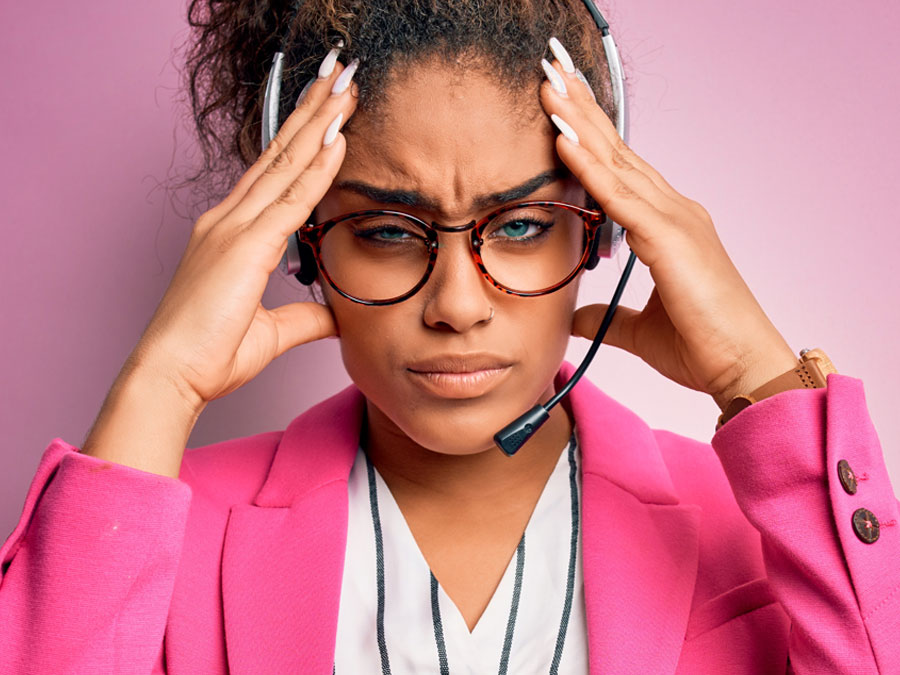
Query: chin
x,y
453,432
454,426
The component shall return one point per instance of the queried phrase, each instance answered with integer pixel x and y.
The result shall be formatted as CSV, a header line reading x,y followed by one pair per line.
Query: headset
x,y
299,261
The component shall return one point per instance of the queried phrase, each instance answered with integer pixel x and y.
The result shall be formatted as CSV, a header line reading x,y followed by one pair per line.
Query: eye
x,y
385,233
385,230
518,229
521,229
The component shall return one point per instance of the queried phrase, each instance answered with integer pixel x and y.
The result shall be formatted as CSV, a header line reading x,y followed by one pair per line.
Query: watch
x,y
810,373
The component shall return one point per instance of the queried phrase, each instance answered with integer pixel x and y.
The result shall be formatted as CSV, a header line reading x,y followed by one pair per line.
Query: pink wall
x,y
779,119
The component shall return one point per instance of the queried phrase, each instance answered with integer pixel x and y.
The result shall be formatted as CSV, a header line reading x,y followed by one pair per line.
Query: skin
x,y
467,504
452,135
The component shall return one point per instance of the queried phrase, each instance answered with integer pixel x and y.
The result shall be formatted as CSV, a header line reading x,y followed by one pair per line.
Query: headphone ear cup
x,y
309,270
594,255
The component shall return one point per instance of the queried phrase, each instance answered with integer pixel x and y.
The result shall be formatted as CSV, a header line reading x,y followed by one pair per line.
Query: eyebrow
x,y
417,199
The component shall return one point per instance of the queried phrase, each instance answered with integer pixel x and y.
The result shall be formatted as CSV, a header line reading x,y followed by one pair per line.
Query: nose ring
x,y
488,320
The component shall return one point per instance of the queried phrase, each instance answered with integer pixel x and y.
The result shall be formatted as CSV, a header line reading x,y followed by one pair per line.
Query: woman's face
x,y
435,367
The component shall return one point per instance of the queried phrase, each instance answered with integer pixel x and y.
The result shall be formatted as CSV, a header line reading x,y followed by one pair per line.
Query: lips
x,y
460,375
459,363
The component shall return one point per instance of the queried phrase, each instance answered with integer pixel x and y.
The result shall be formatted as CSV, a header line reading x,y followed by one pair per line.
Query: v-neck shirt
x,y
394,617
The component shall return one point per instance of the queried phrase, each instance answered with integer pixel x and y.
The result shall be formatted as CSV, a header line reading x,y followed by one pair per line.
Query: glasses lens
x,y
375,257
534,247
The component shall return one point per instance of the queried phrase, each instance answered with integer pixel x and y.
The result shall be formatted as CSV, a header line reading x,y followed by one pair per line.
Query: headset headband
x,y
610,238
516,433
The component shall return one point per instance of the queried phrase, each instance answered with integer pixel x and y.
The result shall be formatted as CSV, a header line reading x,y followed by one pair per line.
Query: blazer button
x,y
848,478
865,524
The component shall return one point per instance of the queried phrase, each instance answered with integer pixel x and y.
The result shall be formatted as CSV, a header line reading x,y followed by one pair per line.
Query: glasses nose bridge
x,y
466,258
464,229
453,228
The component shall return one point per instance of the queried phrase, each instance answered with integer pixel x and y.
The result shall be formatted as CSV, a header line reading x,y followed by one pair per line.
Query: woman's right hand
x,y
211,334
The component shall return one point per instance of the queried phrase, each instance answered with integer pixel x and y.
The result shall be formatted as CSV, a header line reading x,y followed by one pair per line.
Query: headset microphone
x,y
298,259
511,437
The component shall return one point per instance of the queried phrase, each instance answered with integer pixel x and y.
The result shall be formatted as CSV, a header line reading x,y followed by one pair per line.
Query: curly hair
x,y
232,43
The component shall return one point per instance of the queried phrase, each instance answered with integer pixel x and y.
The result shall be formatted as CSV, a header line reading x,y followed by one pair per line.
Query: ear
x,y
321,292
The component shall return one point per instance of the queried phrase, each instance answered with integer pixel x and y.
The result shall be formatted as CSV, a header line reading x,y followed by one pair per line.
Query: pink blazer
x,y
740,557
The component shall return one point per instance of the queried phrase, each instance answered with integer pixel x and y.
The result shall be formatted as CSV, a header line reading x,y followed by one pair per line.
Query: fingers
x,y
302,322
291,176
288,211
621,331
298,141
293,146
597,135
582,99
633,193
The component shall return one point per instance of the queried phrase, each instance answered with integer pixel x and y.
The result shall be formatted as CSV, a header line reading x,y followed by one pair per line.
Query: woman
x,y
383,530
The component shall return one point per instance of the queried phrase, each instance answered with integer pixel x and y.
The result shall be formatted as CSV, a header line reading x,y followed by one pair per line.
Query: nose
x,y
457,296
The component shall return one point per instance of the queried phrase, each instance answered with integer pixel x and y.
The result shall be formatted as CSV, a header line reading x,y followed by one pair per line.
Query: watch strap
x,y
810,372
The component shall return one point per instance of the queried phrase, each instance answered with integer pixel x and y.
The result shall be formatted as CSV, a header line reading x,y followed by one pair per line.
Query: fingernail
x,y
555,78
343,80
564,127
562,55
587,84
303,91
327,65
332,130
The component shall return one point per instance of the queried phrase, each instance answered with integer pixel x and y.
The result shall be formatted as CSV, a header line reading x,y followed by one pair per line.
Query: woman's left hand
x,y
701,327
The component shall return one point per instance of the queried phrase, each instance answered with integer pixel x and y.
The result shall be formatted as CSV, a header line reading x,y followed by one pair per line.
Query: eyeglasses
x,y
378,257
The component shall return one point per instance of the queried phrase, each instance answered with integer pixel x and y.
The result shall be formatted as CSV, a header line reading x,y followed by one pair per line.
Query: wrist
x,y
761,370
144,423
810,371
157,380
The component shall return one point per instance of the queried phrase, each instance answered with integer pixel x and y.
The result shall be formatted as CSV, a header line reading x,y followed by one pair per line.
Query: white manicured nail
x,y
343,80
564,127
587,84
303,91
555,78
562,55
327,65
332,131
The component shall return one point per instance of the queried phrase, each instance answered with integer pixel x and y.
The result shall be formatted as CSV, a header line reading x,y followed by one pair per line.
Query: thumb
x,y
587,320
301,322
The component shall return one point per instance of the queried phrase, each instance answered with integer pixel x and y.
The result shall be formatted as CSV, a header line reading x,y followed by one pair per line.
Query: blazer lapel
x,y
283,555
640,545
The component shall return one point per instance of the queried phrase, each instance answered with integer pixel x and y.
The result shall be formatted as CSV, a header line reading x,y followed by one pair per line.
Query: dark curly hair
x,y
232,43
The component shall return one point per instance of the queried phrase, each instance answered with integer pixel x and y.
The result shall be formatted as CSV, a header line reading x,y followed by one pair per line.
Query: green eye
x,y
385,233
520,229
389,234
516,229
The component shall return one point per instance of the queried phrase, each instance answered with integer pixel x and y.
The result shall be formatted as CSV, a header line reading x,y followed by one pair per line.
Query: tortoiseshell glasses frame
x,y
313,234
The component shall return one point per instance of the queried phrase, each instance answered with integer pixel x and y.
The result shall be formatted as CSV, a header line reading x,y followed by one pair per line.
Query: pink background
x,y
779,119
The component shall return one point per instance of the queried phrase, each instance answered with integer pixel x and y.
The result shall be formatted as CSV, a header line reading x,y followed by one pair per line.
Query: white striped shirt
x,y
395,618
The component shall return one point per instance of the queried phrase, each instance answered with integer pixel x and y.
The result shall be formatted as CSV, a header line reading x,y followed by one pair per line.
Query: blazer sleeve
x,y
840,590
87,575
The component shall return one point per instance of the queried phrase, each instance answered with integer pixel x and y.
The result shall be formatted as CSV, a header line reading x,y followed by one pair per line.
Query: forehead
x,y
451,135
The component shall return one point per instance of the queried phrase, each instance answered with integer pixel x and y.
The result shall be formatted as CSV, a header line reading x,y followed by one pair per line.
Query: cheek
x,y
371,338
548,319
551,329
376,342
